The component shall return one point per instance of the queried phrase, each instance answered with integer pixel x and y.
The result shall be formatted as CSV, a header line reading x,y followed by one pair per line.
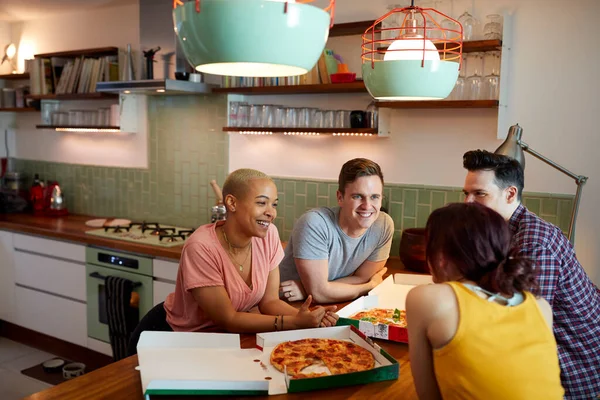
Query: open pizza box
x,y
391,293
185,363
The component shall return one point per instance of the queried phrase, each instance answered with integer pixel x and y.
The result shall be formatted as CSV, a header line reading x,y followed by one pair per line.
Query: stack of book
x,y
320,74
56,75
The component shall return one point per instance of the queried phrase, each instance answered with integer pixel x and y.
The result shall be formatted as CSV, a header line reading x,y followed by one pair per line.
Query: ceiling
x,y
21,10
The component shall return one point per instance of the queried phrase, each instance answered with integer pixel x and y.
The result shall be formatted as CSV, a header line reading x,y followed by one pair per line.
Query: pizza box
x,y
391,293
190,363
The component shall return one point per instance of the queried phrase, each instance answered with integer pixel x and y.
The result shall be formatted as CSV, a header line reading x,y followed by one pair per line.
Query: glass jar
x,y
372,118
493,28
470,25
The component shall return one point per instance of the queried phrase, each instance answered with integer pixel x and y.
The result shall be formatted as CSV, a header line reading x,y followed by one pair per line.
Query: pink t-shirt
x,y
205,263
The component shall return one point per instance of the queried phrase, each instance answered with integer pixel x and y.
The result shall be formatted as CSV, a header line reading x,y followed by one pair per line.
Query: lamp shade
x,y
256,38
511,147
420,62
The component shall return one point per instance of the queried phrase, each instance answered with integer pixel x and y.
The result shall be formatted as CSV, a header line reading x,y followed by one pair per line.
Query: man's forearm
x,y
335,292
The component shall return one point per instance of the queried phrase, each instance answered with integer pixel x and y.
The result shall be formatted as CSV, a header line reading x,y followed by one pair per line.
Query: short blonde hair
x,y
236,183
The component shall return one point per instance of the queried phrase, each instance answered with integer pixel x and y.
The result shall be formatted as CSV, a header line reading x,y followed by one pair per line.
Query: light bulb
x,y
11,50
411,49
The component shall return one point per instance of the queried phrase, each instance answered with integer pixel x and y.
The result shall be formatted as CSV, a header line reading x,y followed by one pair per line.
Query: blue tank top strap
x,y
515,300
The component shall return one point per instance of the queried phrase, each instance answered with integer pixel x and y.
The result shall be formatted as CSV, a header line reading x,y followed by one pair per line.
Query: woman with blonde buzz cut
x,y
231,267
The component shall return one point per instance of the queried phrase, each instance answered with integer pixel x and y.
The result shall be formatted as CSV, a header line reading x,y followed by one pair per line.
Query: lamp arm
x,y
580,180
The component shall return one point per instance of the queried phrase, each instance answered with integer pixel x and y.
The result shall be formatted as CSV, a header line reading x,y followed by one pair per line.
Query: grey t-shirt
x,y
317,236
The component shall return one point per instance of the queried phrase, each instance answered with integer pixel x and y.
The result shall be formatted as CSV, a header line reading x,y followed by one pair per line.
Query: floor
x,y
15,357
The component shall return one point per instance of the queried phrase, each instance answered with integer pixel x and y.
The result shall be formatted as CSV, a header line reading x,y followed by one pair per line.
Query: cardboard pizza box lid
x,y
184,363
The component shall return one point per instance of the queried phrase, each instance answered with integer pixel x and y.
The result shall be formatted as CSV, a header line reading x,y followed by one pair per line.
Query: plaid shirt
x,y
575,301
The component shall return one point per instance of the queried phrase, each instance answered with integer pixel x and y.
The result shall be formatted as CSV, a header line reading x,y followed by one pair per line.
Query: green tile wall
x,y
186,150
409,205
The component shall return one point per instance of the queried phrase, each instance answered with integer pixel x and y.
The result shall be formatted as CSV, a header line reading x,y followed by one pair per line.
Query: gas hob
x,y
150,233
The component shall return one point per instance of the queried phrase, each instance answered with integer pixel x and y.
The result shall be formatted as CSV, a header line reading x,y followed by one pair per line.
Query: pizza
x,y
339,356
387,316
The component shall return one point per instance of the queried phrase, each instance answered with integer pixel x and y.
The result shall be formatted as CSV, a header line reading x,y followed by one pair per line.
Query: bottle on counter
x,y
36,194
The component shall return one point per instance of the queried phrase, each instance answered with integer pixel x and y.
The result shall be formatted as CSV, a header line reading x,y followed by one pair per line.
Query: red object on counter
x,y
343,77
4,162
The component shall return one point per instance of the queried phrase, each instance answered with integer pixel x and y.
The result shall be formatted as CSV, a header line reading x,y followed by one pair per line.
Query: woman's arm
x,y
419,305
270,303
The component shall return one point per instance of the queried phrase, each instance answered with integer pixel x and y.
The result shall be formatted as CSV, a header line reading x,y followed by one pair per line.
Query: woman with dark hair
x,y
478,333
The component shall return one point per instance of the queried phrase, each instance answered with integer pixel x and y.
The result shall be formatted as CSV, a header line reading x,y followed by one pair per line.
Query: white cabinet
x,y
165,276
50,289
7,277
160,291
55,316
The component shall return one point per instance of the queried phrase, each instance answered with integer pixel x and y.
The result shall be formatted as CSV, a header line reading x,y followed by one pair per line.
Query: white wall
x,y
5,39
554,85
100,27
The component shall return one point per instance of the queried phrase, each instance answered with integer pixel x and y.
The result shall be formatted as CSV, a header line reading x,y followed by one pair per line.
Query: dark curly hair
x,y
356,168
476,240
507,170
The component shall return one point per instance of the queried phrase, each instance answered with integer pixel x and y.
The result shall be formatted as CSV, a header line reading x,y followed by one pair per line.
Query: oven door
x,y
97,318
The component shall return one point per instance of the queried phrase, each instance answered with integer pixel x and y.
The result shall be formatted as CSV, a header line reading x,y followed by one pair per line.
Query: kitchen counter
x,y
73,228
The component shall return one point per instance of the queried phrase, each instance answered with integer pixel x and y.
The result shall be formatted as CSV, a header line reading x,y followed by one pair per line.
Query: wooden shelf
x,y
301,130
73,96
353,87
439,104
350,28
18,109
473,46
75,127
24,75
97,52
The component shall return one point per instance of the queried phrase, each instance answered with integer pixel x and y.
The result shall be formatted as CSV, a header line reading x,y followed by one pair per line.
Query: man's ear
x,y
512,194
340,197
230,203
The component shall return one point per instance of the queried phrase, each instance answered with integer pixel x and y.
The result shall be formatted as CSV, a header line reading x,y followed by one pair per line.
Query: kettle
x,y
56,198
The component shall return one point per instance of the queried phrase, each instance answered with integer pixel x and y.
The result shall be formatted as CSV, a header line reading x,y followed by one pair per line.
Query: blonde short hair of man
x,y
236,183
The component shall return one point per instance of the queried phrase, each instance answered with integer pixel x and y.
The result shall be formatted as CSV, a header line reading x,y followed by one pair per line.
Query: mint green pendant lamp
x,y
256,38
420,60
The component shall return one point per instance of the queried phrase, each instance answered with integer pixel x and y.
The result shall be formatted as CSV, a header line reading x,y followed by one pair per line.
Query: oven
x,y
101,263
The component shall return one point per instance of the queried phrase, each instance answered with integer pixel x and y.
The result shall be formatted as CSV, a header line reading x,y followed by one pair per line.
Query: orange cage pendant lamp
x,y
421,62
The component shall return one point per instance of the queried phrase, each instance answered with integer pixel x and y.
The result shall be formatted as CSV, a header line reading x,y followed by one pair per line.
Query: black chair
x,y
155,320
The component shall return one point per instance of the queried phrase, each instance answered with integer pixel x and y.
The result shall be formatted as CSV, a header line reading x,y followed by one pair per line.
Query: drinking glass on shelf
x,y
256,113
234,106
317,120
280,117
474,81
268,116
60,118
491,87
474,64
471,26
329,119
291,119
342,119
75,117
303,117
458,93
493,28
243,115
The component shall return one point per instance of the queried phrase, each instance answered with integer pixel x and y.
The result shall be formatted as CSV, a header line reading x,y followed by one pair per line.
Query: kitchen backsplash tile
x,y
186,150
408,205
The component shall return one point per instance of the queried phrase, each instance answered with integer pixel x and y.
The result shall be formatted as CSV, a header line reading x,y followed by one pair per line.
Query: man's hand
x,y
378,277
292,290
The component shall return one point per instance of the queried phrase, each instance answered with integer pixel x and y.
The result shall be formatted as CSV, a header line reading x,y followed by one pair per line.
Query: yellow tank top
x,y
498,352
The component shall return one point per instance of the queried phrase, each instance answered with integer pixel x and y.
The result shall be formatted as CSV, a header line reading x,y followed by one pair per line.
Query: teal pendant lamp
x,y
420,62
255,38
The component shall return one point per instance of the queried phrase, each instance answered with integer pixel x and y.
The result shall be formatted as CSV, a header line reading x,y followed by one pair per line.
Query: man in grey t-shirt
x,y
339,253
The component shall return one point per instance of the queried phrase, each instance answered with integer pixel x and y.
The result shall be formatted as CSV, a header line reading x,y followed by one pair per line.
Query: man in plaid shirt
x,y
497,182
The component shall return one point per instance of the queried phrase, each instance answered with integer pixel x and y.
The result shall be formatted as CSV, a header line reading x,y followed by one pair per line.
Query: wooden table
x,y
121,381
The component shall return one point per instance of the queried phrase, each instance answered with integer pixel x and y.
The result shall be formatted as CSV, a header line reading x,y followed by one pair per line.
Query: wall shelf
x,y
473,46
24,75
302,131
73,96
439,104
97,52
353,87
73,128
18,109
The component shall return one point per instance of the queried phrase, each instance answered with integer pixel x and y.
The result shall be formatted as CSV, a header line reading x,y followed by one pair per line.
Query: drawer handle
x,y
99,276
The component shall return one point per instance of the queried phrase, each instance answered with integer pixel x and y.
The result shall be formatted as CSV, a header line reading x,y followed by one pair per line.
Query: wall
x,y
5,38
553,97
187,149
